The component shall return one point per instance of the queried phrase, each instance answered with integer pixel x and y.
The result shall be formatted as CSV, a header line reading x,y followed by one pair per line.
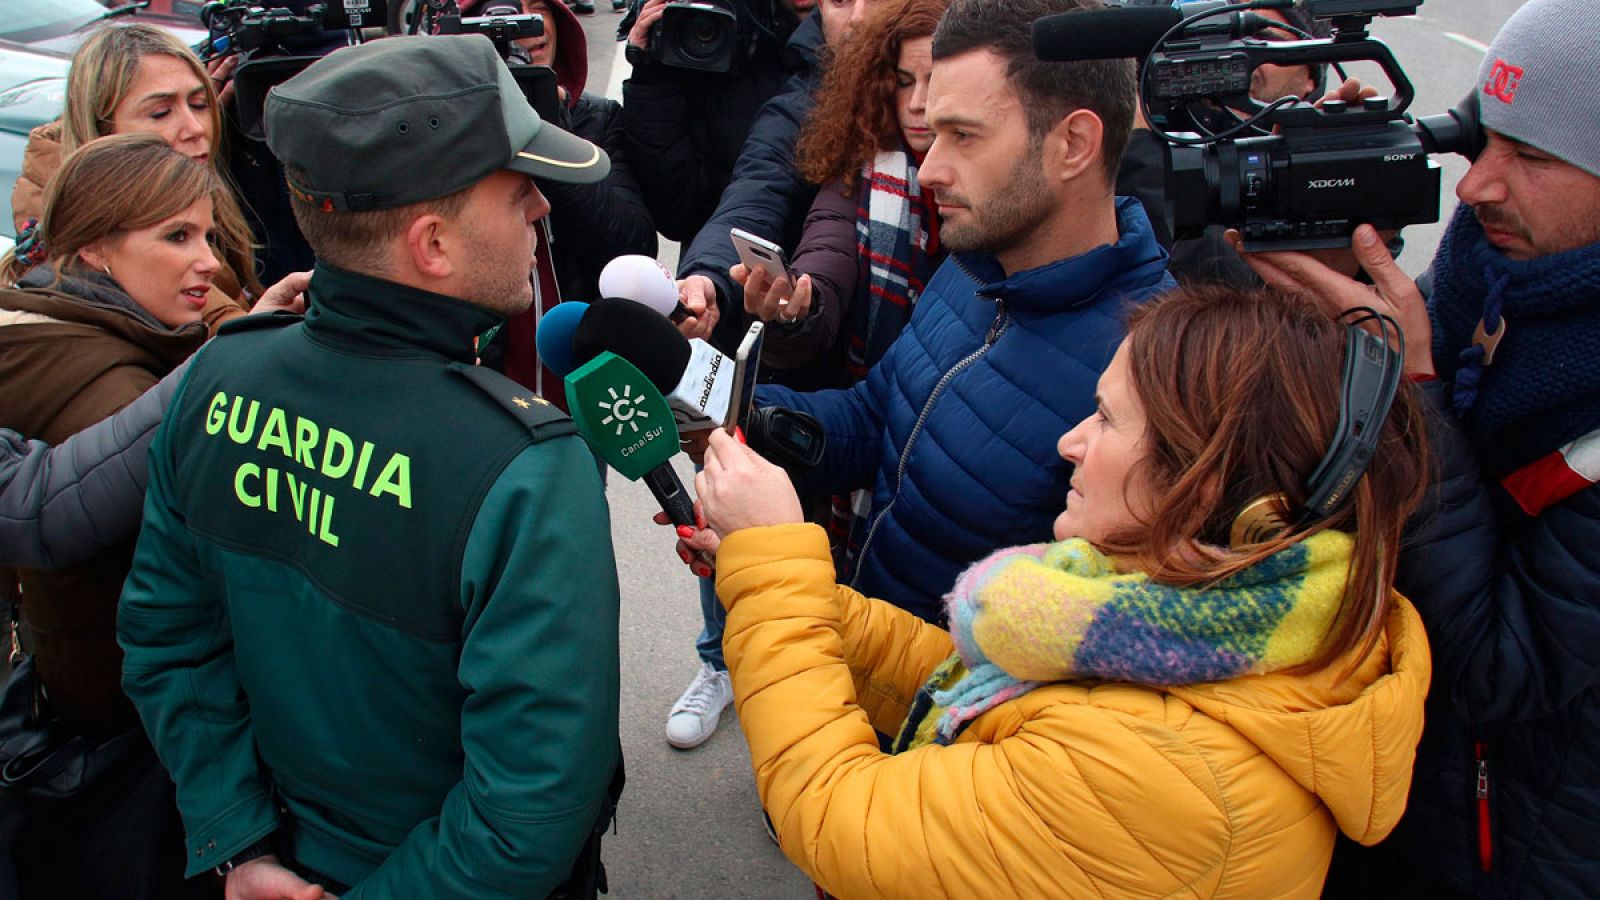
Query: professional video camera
x,y
242,26
1287,174
500,23
704,35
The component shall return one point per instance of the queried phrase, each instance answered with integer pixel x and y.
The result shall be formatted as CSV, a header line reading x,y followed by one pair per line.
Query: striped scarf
x,y
1029,616
897,251
896,241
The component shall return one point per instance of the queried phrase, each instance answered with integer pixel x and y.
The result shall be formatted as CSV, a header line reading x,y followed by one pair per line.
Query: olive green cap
x,y
400,120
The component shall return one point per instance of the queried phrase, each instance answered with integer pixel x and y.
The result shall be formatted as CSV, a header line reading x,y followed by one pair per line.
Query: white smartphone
x,y
758,253
746,362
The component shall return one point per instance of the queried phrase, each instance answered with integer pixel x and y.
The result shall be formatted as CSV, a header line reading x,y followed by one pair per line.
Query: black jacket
x,y
59,505
592,224
685,129
1512,606
767,196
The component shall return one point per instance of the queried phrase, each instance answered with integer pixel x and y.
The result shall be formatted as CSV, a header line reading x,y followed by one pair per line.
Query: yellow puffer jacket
x,y
1228,789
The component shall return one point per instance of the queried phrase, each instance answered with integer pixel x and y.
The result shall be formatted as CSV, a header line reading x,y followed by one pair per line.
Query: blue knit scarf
x,y
1543,388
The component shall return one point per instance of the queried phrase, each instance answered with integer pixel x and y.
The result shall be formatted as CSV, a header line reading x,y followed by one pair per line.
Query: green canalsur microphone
x,y
624,418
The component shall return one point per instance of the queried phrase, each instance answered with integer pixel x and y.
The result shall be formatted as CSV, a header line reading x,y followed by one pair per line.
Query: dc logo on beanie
x,y
1503,81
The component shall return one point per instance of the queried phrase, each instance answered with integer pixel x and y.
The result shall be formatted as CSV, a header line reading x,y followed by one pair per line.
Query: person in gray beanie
x,y
1504,563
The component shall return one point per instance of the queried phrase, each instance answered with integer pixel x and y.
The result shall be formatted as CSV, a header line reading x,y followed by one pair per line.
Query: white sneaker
x,y
694,717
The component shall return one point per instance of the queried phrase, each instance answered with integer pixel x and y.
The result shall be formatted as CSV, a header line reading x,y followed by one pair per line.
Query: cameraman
x,y
1506,570
767,195
685,128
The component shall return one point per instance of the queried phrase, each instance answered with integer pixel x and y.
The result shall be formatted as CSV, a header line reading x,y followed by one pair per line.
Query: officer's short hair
x,y
361,241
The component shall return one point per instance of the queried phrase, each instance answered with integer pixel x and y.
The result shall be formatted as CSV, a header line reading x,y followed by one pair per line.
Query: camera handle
x,y
1167,85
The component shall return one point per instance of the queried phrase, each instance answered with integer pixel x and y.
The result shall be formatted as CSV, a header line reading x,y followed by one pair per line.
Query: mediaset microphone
x,y
626,421
1131,31
695,377
643,280
553,337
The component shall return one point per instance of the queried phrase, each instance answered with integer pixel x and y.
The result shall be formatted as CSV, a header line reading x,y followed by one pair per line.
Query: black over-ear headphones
x,y
1372,368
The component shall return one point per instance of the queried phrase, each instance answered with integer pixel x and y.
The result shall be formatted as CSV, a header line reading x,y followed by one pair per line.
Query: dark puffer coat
x,y
1507,788
767,196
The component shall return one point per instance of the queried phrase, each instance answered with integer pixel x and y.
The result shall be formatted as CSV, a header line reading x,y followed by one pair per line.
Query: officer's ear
x,y
431,244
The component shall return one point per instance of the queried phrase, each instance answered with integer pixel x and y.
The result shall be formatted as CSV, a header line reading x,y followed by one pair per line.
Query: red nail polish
x,y
685,531
701,570
738,435
685,555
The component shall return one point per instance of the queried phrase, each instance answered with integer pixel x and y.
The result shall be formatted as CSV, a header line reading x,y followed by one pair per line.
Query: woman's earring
x,y
108,270
1259,522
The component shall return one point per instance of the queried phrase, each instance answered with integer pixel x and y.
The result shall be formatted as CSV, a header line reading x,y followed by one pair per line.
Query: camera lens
x,y
705,38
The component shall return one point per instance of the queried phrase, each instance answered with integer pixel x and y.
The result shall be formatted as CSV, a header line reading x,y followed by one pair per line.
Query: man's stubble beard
x,y
496,285
1005,220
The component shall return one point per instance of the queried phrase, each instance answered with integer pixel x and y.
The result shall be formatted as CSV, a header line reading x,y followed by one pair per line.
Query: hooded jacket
x,y
40,160
1075,789
83,352
955,428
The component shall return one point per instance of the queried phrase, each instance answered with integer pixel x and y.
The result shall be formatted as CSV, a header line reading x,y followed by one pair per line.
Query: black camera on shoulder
x,y
1289,175
244,27
703,35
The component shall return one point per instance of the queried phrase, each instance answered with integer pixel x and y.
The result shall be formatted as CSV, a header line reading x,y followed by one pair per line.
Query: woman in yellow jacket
x,y
1182,697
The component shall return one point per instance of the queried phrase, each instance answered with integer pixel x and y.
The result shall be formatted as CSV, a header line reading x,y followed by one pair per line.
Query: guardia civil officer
x,y
371,624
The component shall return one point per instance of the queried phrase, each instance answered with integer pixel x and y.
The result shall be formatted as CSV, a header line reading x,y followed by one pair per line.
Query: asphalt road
x,y
689,825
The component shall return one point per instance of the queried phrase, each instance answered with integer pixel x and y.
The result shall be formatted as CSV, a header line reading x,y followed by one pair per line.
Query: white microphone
x,y
643,280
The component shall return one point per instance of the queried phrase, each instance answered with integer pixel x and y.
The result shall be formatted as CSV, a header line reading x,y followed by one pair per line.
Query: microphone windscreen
x,y
637,334
554,336
1102,33
642,280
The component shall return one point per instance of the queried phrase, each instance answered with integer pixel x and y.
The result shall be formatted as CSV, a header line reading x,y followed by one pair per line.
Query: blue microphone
x,y
554,336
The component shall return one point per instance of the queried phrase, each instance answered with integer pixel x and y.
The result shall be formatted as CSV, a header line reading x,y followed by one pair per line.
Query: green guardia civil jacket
x,y
375,588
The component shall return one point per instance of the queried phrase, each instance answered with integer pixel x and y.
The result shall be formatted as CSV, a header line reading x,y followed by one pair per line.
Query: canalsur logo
x,y
623,409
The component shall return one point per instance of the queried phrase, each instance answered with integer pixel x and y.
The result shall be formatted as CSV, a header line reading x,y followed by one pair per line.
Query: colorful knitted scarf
x,y
1032,615
1543,388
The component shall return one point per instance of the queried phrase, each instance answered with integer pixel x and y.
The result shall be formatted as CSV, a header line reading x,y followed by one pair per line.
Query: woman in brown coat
x,y
116,304
129,79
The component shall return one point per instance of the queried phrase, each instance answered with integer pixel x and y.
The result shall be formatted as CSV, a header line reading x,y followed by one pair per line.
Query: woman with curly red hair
x,y
872,238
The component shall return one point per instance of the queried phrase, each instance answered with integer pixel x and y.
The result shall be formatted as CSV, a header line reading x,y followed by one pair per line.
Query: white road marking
x,y
620,70
1462,39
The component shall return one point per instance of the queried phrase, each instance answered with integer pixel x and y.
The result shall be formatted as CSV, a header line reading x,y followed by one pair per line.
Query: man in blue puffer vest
x,y
954,430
